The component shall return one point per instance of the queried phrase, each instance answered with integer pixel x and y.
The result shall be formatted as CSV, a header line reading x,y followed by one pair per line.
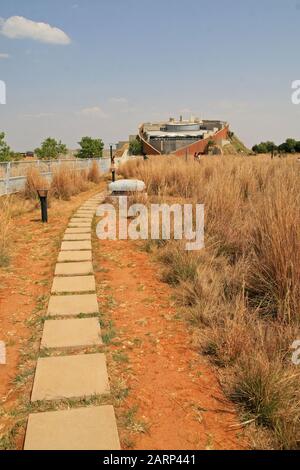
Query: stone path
x,y
73,376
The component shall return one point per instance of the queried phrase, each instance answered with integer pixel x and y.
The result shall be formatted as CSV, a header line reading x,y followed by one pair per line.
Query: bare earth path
x,y
175,392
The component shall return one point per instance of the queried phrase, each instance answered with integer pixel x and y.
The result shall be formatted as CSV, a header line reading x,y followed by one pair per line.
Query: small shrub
x,y
34,181
94,174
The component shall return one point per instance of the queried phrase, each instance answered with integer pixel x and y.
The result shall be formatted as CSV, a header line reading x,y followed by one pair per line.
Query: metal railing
x,y
13,174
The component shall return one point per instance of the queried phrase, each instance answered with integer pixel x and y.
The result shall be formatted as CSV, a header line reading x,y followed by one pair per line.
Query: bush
x,y
94,174
136,147
34,181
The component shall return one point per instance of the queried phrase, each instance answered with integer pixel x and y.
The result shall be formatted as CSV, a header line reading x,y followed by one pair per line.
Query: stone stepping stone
x,y
77,429
73,284
82,218
78,230
79,225
63,305
77,236
85,220
75,256
62,377
73,269
84,214
94,208
75,245
71,333
91,208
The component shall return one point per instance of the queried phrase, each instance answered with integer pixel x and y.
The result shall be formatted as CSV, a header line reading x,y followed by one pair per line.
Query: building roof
x,y
164,134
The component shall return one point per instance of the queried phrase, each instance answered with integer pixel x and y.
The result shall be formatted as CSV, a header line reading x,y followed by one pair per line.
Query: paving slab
x,y
81,215
83,255
73,284
91,428
73,269
75,333
74,376
93,208
64,305
85,220
79,230
77,236
84,213
75,246
79,225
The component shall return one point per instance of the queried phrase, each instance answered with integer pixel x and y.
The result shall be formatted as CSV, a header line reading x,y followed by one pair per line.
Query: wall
x,y
200,145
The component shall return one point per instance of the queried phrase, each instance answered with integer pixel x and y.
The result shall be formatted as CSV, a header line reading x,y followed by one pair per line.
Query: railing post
x,y
7,178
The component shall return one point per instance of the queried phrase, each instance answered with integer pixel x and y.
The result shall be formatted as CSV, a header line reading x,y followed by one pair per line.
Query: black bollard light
x,y
113,169
113,174
43,194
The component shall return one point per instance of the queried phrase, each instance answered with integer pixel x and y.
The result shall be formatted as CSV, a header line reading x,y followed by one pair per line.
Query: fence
x,y
13,174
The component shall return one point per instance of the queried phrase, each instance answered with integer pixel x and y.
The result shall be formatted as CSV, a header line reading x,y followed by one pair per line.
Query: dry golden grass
x,y
11,207
94,174
5,230
67,182
34,181
241,292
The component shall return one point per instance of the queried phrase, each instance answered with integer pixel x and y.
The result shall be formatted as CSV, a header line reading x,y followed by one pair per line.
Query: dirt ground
x,y
174,398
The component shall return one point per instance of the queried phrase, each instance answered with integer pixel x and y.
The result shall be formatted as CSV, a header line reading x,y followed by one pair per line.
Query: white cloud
x,y
94,111
4,56
18,27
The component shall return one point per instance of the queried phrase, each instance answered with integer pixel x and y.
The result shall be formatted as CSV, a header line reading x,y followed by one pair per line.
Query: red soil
x,y
177,392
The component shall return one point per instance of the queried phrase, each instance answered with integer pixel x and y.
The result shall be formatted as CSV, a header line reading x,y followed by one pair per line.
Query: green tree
x,y
136,147
289,146
5,152
51,149
90,148
264,147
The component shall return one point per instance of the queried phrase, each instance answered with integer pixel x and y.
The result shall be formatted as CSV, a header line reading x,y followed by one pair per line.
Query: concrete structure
x,y
78,429
74,256
73,269
77,376
181,137
72,305
77,333
73,284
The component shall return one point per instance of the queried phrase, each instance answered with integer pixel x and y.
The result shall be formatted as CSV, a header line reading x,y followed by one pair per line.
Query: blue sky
x,y
122,62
